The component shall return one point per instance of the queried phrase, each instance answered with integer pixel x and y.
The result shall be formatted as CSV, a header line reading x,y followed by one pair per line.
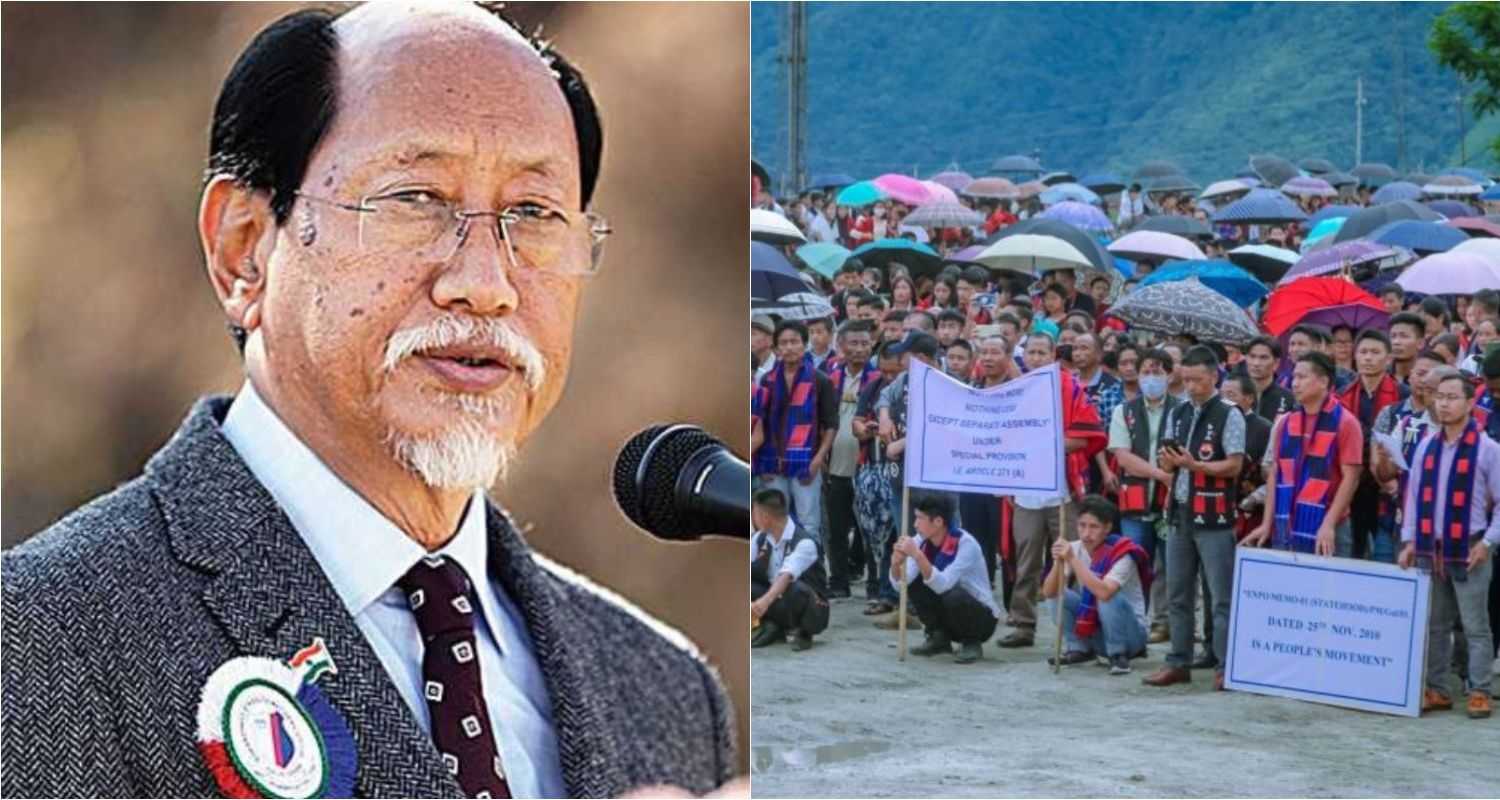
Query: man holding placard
x,y
1105,616
1450,528
947,582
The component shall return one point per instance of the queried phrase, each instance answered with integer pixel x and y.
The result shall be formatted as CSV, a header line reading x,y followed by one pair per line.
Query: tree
x,y
1466,39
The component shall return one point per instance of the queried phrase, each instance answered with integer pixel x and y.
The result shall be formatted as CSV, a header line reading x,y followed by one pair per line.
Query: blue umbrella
x,y
1068,191
1452,208
1322,230
1472,174
1103,183
1419,236
1260,207
1491,194
859,194
825,258
1223,277
828,180
1329,212
1079,215
1399,190
1018,165
772,276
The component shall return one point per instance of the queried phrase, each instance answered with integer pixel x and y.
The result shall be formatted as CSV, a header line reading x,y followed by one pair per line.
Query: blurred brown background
x,y
110,329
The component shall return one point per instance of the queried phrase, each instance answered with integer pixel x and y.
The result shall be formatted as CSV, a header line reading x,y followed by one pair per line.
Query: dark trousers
x,y
799,607
1364,516
956,613
838,499
981,516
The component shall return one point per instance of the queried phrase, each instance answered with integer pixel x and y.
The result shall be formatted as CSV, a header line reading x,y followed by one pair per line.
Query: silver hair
x,y
448,331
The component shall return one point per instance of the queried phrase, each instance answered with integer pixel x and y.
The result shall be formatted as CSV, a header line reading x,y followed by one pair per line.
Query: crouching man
x,y
1104,613
948,582
788,586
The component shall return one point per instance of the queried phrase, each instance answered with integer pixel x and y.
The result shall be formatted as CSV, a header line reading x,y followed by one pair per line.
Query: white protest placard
x,y
1328,630
1004,439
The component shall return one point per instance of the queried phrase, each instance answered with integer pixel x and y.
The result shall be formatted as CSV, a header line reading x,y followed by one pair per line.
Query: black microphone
x,y
679,483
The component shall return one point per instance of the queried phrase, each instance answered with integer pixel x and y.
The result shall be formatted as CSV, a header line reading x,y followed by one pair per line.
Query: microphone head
x,y
646,474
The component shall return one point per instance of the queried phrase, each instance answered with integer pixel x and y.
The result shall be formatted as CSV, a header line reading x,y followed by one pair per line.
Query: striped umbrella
x,y
1079,215
1358,253
944,215
1260,207
1309,187
1453,186
1418,236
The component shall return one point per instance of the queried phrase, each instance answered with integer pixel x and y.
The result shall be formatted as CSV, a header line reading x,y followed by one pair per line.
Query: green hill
x,y
913,87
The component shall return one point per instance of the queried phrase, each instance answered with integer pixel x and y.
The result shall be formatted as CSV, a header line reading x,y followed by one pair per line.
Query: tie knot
x,y
439,594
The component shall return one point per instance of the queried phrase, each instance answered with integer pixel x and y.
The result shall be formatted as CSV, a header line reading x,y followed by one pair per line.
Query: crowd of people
x,y
1369,442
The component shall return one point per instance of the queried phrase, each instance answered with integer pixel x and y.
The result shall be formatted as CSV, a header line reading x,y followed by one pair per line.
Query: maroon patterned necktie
x,y
440,595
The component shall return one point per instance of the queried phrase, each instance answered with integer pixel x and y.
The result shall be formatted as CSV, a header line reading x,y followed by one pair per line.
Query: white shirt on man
x,y
784,558
967,572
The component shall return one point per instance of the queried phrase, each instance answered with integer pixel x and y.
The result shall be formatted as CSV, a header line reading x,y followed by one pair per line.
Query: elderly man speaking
x,y
307,593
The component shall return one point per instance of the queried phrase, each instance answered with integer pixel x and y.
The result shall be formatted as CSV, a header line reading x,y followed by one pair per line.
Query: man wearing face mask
x,y
1135,430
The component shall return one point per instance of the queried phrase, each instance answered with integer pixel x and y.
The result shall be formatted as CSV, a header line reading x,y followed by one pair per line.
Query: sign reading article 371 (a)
x,y
1006,438
1329,630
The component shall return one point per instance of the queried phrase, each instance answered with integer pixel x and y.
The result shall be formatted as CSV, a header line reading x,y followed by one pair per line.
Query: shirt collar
x,y
361,551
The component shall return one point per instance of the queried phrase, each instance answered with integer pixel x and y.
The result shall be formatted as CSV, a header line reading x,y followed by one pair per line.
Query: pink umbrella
x,y
993,188
904,188
938,193
1155,246
1455,272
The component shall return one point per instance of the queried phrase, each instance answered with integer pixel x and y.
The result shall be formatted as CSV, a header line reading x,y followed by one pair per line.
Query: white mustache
x,y
450,331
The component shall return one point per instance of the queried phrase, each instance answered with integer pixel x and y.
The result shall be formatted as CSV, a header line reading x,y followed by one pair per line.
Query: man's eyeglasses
x,y
425,225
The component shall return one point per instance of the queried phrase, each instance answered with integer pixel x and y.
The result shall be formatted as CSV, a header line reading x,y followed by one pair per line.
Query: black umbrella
x,y
760,172
1373,174
1016,164
1419,178
1274,170
772,275
830,180
1103,183
1078,237
1191,227
1157,169
1339,179
1054,178
1319,166
1171,183
1366,221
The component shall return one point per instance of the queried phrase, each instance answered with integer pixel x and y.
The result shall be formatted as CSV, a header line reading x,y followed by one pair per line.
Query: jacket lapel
x,y
270,597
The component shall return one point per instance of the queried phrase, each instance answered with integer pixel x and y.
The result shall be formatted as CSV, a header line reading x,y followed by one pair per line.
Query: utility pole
x,y
796,84
1359,119
1463,145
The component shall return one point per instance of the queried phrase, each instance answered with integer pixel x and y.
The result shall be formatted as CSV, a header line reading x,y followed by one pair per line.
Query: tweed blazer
x,y
115,616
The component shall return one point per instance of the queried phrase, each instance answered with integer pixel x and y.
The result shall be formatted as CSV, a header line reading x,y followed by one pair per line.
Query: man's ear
x,y
237,229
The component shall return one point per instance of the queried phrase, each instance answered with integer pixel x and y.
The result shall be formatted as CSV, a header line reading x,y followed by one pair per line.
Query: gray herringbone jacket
x,y
115,616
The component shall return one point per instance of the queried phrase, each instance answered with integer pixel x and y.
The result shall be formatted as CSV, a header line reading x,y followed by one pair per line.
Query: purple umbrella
x,y
968,253
1391,192
1309,187
1351,254
1079,215
1452,209
1354,315
953,179
1155,246
1451,273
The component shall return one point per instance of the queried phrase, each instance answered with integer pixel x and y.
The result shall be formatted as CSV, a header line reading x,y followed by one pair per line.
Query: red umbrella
x,y
1290,304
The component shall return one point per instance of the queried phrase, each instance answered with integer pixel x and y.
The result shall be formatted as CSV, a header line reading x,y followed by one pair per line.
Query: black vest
x,y
815,576
1136,498
1211,501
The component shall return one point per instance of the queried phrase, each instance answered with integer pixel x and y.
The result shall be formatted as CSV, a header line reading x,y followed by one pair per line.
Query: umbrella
x,y
1491,194
1451,273
991,188
1266,262
862,193
1329,212
1309,187
1224,189
1155,246
1274,170
1017,164
904,188
1472,174
824,258
1358,253
1419,178
1475,226
1031,188
1364,222
918,257
1261,207
757,170
1081,215
1099,258
1452,209
1061,176
1185,307
797,305
1221,276
1453,186
920,234
1338,179
1322,230
1170,183
1032,254
938,193
1068,191
772,276
1373,173
1188,227
944,215
1484,248
1318,166
953,179
1418,236
1289,305
1396,190
769,226
830,180
1157,169
967,254
1104,183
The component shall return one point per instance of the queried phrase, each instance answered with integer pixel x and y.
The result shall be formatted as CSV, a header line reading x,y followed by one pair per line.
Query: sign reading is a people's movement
x,y
1329,630
1004,439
